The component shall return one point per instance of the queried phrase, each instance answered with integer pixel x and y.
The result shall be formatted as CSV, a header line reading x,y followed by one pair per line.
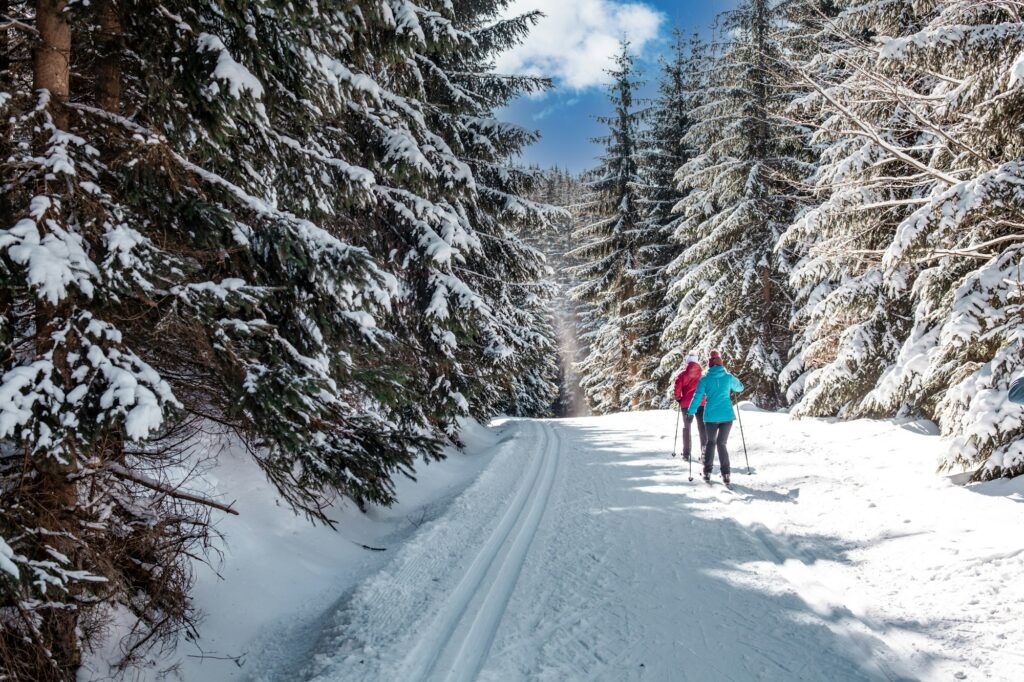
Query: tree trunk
x,y
108,70
5,44
59,626
51,64
56,496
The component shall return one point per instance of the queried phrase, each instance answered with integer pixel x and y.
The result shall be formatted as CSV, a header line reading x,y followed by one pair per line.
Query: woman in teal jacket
x,y
718,385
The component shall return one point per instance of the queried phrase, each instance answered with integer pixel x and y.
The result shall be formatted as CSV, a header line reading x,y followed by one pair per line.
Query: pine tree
x,y
849,323
907,285
607,251
663,152
499,351
730,290
696,79
958,80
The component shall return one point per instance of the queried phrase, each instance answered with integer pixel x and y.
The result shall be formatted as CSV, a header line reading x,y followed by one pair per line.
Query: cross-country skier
x,y
716,386
686,386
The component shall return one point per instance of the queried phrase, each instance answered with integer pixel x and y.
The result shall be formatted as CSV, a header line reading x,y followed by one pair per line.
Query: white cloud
x,y
576,40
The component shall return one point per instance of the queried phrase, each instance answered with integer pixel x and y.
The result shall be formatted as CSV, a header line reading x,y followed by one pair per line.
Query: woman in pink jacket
x,y
686,386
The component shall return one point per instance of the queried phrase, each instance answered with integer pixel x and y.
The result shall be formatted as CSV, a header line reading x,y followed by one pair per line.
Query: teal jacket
x,y
716,385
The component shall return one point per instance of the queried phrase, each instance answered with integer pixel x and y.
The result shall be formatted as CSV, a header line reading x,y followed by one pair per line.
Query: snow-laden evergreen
x,y
965,344
490,329
847,321
662,152
606,249
908,281
729,289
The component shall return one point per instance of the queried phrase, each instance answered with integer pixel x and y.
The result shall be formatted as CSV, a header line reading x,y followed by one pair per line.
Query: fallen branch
x,y
359,544
121,472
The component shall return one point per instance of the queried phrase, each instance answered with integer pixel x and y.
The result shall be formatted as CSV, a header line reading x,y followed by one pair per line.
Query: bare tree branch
x,y
124,473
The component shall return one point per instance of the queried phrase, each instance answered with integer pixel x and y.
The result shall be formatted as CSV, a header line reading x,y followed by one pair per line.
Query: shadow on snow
x,y
727,561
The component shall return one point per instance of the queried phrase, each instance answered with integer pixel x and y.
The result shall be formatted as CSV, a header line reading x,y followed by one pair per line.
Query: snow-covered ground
x,y
578,550
583,553
281,576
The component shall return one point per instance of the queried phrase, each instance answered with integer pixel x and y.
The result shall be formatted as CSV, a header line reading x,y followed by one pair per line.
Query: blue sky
x,y
574,43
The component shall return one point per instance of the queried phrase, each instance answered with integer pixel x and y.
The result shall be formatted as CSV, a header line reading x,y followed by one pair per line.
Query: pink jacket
x,y
686,385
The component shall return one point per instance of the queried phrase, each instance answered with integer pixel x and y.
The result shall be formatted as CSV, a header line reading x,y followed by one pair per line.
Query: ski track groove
x,y
467,628
568,598
399,601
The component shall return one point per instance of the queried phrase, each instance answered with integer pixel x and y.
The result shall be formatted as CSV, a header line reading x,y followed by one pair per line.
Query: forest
x,y
306,227
831,196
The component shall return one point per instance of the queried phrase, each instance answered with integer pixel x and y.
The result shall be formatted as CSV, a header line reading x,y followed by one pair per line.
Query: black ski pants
x,y
718,434
687,433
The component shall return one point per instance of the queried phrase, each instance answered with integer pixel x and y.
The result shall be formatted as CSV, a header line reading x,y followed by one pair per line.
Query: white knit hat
x,y
692,357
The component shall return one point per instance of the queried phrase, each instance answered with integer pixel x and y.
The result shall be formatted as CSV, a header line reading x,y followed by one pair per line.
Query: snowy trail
x,y
460,637
583,553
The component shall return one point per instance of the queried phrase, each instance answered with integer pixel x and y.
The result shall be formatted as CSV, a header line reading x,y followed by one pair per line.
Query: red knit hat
x,y
715,359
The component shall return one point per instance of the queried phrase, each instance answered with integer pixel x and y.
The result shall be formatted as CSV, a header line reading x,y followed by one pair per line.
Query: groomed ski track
x,y
583,553
458,640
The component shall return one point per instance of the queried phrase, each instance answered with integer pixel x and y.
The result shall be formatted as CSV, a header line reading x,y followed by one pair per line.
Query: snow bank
x,y
281,575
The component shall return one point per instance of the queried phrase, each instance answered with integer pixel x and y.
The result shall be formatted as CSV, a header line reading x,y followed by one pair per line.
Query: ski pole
x,y
675,442
743,438
689,464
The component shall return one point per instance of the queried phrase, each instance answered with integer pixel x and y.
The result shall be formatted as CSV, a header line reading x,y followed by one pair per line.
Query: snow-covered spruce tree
x,y
850,315
181,242
606,248
145,289
801,34
87,519
959,80
511,362
729,285
696,78
662,153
